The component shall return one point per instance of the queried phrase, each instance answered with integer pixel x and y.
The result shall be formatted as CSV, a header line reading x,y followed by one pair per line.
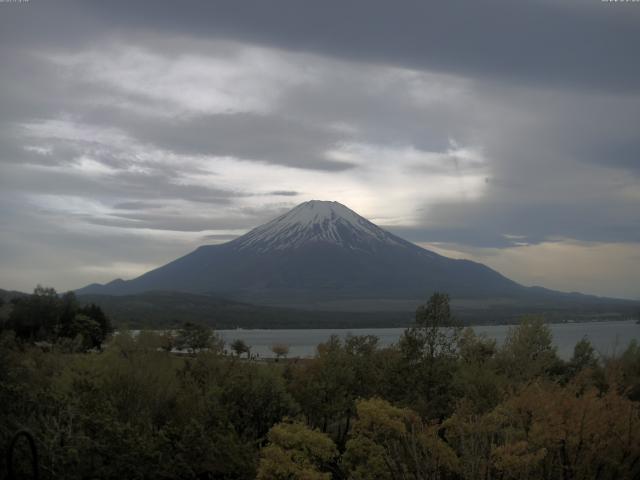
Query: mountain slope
x,y
322,252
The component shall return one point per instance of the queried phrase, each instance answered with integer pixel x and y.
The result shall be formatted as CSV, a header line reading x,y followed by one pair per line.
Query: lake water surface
x,y
607,337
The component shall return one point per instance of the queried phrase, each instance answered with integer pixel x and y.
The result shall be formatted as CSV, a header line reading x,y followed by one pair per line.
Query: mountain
x,y
324,255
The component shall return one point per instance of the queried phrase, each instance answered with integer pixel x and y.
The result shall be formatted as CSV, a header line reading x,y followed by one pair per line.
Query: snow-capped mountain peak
x,y
317,252
317,221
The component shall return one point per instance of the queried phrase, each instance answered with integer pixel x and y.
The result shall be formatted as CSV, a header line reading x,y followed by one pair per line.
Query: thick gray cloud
x,y
131,132
575,42
268,138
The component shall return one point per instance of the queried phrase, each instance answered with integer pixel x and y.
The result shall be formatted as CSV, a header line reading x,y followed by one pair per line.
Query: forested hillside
x,y
442,403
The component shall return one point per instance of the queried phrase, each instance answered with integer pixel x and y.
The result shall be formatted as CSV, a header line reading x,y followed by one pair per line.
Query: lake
x,y
607,337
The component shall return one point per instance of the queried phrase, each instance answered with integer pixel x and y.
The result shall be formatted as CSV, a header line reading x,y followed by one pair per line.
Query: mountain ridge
x,y
322,251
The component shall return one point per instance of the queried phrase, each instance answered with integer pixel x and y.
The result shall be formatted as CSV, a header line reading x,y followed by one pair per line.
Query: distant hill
x,y
323,256
7,295
170,309
159,309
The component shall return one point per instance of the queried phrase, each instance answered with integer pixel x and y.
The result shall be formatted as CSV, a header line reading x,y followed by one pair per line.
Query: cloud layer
x,y
132,134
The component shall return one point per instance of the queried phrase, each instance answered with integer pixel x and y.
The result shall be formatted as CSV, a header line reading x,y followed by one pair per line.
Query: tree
x,y
96,313
47,316
473,438
194,337
427,360
255,398
73,322
168,341
557,432
89,322
296,452
388,442
280,350
584,356
35,317
627,369
476,378
476,349
528,351
240,346
325,389
518,460
87,329
435,331
149,341
68,309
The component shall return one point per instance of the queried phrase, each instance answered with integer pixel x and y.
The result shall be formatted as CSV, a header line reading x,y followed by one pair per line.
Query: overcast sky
x,y
503,131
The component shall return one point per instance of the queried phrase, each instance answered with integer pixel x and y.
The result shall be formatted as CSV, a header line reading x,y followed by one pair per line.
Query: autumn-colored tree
x,y
472,435
296,452
518,460
558,432
424,409
388,442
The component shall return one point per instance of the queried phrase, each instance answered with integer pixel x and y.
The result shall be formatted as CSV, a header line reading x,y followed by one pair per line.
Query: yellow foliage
x,y
517,460
296,452
390,442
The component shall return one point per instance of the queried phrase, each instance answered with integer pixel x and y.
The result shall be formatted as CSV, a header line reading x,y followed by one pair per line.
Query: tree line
x,y
443,403
48,317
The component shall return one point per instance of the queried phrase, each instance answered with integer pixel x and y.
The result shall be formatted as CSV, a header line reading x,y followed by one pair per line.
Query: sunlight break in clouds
x,y
562,264
384,182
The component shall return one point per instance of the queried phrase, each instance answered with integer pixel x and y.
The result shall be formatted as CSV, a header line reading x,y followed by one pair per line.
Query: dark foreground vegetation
x,y
442,404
